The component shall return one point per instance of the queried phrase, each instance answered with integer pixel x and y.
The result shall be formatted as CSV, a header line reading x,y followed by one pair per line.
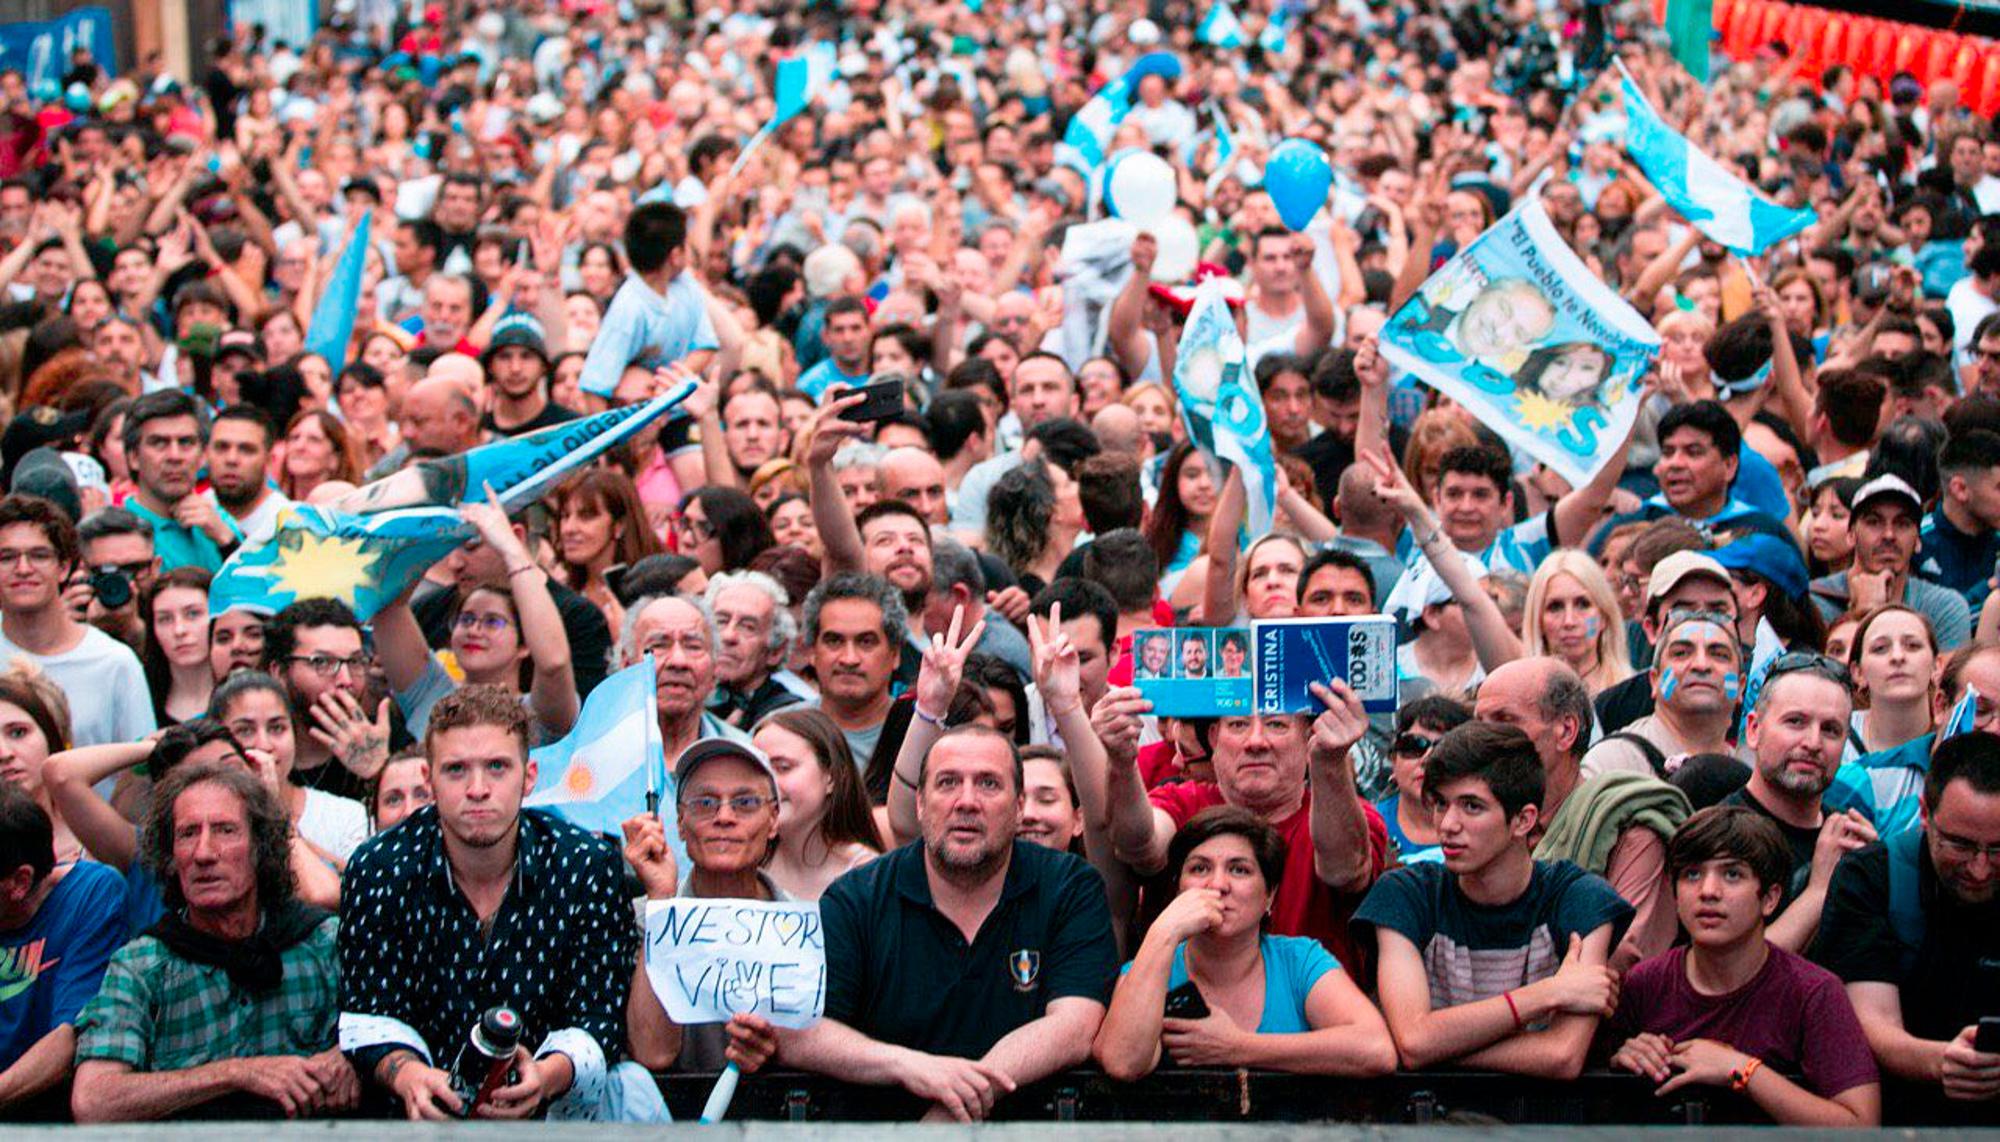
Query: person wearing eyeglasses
x,y
500,633
1795,736
1419,725
1912,927
107,690
314,647
728,819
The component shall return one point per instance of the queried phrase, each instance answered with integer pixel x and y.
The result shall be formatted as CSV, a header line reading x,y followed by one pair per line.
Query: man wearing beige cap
x,y
1884,521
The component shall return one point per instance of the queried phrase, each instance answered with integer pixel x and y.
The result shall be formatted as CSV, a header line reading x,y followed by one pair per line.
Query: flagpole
x,y
653,724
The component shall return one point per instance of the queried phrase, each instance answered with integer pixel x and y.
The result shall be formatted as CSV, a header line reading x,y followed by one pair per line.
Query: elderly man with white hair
x,y
679,634
754,630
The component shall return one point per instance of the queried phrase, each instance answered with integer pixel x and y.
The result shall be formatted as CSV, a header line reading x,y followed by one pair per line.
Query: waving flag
x,y
367,548
1087,140
1518,330
1219,403
333,318
1714,201
1220,28
1690,27
1272,38
800,78
598,776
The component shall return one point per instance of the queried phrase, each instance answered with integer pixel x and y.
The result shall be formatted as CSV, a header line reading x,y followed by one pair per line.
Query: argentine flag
x,y
1087,140
1272,38
333,317
1219,402
1716,202
598,776
799,79
1220,28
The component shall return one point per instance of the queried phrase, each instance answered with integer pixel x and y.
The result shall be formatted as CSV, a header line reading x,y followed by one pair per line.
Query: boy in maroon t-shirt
x,y
1732,1009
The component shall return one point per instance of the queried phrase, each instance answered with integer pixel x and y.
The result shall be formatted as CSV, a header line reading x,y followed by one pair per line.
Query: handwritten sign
x,y
711,959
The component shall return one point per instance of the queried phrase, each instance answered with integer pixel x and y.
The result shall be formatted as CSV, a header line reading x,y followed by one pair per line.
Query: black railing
x,y
1189,1095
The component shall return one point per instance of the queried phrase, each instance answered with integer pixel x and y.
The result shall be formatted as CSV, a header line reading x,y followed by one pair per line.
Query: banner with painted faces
x,y
1518,330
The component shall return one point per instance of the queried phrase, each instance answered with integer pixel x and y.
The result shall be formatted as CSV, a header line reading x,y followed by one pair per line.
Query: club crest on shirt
x,y
1026,967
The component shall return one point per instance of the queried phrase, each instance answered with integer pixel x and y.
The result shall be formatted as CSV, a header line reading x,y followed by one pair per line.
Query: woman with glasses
x,y
1419,725
1572,613
507,634
174,610
1211,988
722,528
1893,660
825,827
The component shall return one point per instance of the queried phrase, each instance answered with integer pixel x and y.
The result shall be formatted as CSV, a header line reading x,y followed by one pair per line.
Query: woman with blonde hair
x,y
1155,405
1573,614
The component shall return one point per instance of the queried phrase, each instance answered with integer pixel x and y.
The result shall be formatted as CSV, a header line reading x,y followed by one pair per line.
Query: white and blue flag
x,y
1714,201
1220,28
1272,38
597,776
1219,401
1964,716
1086,141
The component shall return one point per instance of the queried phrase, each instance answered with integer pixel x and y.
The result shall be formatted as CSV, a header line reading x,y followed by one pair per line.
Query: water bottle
x,y
486,1062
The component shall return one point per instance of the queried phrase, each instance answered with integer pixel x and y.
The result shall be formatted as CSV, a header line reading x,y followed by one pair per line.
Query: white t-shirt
x,y
1967,306
335,824
1264,333
108,698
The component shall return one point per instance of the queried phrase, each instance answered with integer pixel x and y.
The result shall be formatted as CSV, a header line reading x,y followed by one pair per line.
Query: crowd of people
x,y
1694,770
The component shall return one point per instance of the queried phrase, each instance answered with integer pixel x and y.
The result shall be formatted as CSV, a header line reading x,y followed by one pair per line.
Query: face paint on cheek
x,y
1669,682
1732,685
1590,626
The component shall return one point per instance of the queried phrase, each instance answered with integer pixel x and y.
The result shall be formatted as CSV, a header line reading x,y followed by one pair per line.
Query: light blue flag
x,y
1220,28
1087,140
368,547
333,318
799,79
1964,716
1219,403
1723,207
1272,38
1517,329
599,774
319,552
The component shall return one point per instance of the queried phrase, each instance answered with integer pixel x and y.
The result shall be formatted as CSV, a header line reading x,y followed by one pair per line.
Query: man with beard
x,y
1797,733
517,367
239,458
967,965
165,434
1885,524
754,631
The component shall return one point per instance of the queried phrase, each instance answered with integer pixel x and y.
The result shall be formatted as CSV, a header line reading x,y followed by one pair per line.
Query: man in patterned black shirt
x,y
473,902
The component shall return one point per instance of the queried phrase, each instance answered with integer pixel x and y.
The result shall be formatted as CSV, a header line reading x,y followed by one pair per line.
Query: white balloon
x,y
1141,188
1180,249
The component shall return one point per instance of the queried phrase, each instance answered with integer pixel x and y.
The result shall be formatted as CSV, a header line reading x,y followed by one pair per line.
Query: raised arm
x,y
1582,509
553,692
1139,831
1793,399
832,518
400,645
1219,600
72,777
1341,855
1317,331
1371,430
937,682
1126,332
1492,639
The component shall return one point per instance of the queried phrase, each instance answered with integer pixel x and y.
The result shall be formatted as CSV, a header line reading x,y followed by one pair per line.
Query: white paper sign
x,y
711,959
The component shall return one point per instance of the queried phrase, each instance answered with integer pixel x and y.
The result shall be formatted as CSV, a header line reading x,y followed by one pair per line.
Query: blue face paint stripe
x,y
1669,682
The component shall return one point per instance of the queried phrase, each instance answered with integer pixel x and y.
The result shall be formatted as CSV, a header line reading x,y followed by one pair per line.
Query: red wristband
x,y
1509,997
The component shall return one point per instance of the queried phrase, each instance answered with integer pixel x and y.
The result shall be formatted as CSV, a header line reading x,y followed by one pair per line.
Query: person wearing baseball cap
x,y
726,797
1683,581
39,427
517,365
1885,522
1696,680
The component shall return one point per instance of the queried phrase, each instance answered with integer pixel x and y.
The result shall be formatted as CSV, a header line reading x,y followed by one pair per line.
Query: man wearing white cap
x,y
1884,523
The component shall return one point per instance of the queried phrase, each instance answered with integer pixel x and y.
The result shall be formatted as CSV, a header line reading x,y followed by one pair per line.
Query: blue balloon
x,y
1297,179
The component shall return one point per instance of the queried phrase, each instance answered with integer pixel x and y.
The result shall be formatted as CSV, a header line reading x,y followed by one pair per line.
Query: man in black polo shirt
x,y
968,964
1912,926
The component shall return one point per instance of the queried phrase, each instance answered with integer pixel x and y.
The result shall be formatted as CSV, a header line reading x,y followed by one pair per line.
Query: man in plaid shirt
x,y
229,1004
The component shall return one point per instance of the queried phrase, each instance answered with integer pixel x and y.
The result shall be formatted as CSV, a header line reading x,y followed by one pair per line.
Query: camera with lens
x,y
112,587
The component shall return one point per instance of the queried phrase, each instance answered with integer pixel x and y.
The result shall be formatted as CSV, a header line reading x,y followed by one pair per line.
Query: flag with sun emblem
x,y
1518,330
371,544
597,777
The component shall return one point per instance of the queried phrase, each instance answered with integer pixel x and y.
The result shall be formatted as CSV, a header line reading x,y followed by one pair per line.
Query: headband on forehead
x,y
1727,390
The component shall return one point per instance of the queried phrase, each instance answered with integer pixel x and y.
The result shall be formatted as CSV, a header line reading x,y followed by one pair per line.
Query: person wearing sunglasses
x,y
728,819
1419,725
1912,928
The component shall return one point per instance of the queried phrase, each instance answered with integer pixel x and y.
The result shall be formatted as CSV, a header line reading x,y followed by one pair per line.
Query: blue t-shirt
x,y
51,966
1293,965
1409,850
649,329
815,381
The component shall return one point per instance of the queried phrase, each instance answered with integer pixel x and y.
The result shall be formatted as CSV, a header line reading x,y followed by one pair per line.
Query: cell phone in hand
x,y
883,399
1185,1002
1987,1039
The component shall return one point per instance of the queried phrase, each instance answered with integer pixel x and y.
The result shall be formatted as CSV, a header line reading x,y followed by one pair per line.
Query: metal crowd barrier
x,y
1217,1095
